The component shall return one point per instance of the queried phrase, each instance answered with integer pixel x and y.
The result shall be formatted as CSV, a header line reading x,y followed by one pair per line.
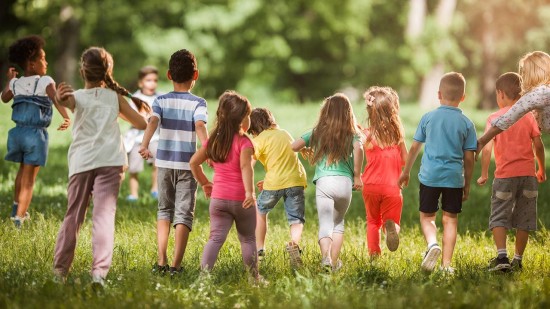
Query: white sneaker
x,y
337,266
430,258
448,270
98,283
326,264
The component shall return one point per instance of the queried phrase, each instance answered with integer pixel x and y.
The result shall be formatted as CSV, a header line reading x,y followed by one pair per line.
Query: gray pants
x,y
333,197
514,203
177,192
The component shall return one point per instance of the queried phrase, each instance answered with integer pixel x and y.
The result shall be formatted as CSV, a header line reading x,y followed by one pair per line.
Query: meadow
x,y
392,281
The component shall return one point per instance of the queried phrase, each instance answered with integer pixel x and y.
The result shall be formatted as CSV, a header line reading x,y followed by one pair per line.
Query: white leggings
x,y
333,197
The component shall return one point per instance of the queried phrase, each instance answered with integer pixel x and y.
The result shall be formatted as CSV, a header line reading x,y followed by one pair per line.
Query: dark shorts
x,y
451,199
28,145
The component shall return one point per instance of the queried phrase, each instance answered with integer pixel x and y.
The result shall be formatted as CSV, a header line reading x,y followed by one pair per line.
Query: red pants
x,y
379,209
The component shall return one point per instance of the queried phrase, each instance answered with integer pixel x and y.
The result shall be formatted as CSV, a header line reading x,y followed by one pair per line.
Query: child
x,y
514,200
233,198
337,154
182,117
386,152
95,162
147,82
446,168
534,69
285,177
33,96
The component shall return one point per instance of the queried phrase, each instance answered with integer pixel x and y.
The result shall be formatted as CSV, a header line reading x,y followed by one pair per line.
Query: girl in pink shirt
x,y
232,194
385,151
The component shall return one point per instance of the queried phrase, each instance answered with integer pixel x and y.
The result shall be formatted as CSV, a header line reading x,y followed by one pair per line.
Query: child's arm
x,y
50,91
486,153
196,168
7,95
147,135
64,96
202,132
357,165
411,157
129,114
248,177
298,144
469,158
403,150
539,154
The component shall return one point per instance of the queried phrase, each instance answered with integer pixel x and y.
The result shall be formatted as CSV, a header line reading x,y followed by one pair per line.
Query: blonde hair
x,y
383,120
332,137
534,69
452,86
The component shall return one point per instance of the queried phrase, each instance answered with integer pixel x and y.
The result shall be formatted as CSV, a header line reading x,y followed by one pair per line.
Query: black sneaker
x,y
516,264
261,254
502,264
161,270
174,271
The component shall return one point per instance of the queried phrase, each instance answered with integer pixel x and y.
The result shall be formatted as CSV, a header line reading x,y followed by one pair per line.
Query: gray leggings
x,y
333,197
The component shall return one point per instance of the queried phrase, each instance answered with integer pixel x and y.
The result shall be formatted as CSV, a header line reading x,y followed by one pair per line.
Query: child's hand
x,y
207,188
357,183
64,91
12,73
249,200
260,185
144,152
65,124
403,180
541,175
306,153
482,180
465,193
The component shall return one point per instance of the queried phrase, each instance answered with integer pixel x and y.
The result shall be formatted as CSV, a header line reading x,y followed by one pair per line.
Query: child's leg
x,y
78,198
374,222
429,229
135,166
450,224
295,202
186,190
522,237
296,232
342,199
261,230
499,236
325,213
182,236
163,232
165,213
134,185
28,177
391,209
245,222
221,220
105,192
525,213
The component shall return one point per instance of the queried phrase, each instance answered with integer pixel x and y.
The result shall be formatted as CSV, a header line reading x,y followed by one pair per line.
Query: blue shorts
x,y
294,198
28,145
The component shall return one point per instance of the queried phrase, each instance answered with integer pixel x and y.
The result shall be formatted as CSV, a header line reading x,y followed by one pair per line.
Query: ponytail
x,y
112,84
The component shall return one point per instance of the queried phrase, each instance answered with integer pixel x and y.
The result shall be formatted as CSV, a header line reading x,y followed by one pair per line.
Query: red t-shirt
x,y
514,156
228,179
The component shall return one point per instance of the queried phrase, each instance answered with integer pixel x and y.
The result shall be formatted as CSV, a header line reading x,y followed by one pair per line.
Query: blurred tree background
x,y
294,51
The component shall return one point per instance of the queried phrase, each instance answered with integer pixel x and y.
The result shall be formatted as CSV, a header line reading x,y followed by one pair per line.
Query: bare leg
x,y
296,232
450,223
521,241
325,244
28,177
134,185
337,242
182,236
261,230
18,184
499,236
427,223
163,231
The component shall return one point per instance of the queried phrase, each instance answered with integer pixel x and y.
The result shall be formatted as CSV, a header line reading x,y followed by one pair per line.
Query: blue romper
x,y
28,141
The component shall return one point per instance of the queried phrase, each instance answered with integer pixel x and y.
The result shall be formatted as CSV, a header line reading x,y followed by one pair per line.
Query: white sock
x,y
518,257
502,253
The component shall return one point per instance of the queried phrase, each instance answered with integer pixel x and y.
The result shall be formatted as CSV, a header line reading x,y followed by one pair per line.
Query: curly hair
x,y
25,49
182,66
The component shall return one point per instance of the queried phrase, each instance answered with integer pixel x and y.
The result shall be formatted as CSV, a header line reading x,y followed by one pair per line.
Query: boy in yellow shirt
x,y
285,177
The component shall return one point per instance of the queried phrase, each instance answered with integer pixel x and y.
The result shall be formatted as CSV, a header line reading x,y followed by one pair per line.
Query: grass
x,y
393,281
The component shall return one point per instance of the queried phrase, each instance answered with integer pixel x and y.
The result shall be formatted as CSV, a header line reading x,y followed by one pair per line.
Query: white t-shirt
x,y
26,85
97,141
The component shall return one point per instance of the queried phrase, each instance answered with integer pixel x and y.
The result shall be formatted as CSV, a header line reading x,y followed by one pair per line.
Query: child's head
x,y
534,69
148,78
334,132
96,66
383,115
232,117
451,88
29,55
261,119
183,66
508,88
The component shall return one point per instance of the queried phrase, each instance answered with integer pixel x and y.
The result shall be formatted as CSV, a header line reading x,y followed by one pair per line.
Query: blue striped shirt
x,y
177,113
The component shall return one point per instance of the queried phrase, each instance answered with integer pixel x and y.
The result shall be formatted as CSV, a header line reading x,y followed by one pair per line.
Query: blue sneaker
x,y
155,195
131,198
13,211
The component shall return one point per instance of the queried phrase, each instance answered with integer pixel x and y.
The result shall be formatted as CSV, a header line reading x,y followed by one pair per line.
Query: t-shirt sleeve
x,y
420,134
257,142
246,143
307,137
471,137
157,110
201,112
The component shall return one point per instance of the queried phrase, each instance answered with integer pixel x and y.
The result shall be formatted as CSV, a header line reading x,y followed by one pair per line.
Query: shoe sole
x,y
294,255
429,261
392,238
501,267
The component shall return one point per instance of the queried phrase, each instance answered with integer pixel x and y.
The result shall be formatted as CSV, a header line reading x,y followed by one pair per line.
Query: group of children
x,y
336,146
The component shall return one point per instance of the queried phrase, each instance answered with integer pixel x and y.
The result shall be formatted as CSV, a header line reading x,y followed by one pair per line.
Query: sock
x,y
14,209
518,257
431,244
502,253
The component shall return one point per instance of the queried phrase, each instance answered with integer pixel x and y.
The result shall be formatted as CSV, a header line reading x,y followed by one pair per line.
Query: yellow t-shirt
x,y
283,169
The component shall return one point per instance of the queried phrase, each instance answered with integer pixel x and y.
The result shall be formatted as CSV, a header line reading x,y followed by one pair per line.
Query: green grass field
x,y
393,281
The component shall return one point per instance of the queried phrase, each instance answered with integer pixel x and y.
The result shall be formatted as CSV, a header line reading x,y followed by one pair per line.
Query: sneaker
x,y
27,216
131,198
98,283
502,264
295,255
326,264
161,270
155,195
261,254
13,211
336,267
448,270
430,258
174,271
18,222
392,238
516,265
258,281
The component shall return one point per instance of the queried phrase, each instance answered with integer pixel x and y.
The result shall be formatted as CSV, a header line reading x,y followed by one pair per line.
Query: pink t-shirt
x,y
514,156
228,179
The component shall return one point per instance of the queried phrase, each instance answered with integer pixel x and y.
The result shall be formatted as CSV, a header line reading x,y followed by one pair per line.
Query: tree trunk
x,y
489,66
416,19
67,51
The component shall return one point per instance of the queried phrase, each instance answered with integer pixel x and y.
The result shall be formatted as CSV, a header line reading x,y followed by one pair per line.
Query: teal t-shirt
x,y
340,168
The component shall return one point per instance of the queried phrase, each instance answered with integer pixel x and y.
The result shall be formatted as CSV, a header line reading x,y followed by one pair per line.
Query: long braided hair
x,y
97,66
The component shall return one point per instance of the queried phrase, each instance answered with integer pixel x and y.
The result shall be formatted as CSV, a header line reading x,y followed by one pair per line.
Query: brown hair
x,y
452,86
510,84
97,66
534,69
260,119
382,105
332,137
232,109
146,70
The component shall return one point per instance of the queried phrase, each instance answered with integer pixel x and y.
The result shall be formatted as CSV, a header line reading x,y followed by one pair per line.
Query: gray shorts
x,y
514,203
177,194
135,161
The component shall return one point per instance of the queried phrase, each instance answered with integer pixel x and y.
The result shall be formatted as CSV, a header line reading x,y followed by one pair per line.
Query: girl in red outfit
x,y
385,152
